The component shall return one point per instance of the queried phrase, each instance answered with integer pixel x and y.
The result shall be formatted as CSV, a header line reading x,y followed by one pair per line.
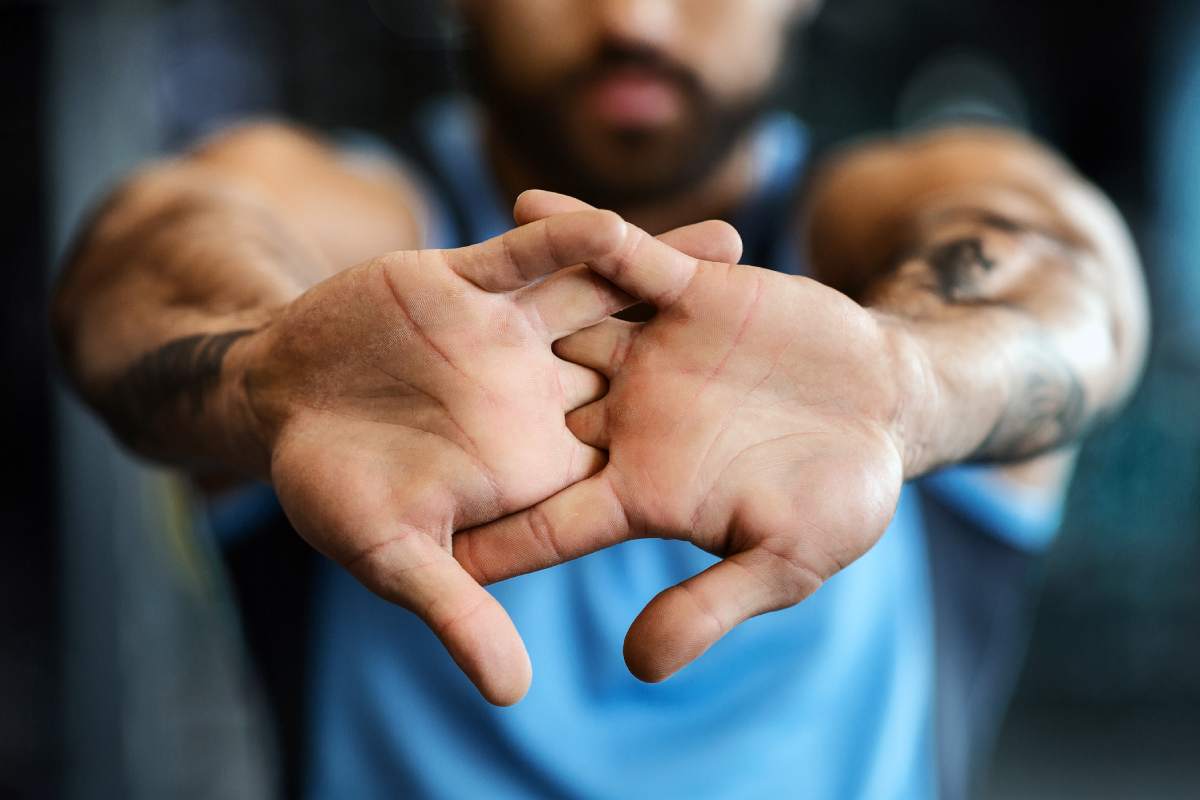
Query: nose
x,y
642,23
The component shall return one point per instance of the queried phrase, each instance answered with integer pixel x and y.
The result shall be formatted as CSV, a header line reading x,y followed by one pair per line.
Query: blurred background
x,y
121,668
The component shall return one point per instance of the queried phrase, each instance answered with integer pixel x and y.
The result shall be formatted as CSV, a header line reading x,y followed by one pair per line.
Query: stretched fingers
x,y
526,253
603,347
584,517
534,204
641,265
577,298
711,240
572,299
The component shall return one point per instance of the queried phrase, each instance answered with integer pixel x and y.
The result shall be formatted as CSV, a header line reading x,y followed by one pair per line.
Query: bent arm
x,y
190,255
1014,282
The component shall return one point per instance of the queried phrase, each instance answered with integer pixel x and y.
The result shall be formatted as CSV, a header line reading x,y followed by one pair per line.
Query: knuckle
x,y
797,578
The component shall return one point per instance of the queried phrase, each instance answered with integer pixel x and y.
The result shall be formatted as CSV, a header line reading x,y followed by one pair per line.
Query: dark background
x,y
1109,701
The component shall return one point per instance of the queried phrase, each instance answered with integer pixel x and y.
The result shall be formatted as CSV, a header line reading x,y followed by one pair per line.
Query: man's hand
x,y
757,415
417,394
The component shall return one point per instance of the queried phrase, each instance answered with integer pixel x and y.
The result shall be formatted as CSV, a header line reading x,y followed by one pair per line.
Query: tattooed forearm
x,y
969,274
1012,282
1047,407
178,377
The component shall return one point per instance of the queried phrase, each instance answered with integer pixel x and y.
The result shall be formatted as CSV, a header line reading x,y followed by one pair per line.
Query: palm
x,y
751,416
453,410
417,394
731,411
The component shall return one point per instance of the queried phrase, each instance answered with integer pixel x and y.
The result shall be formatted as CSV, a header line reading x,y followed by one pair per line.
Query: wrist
x,y
244,431
919,395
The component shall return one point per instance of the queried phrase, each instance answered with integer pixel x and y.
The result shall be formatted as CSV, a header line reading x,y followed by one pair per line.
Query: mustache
x,y
615,57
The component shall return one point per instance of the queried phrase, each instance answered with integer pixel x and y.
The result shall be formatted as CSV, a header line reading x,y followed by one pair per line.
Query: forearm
x,y
1028,331
1013,283
153,312
172,272
1017,342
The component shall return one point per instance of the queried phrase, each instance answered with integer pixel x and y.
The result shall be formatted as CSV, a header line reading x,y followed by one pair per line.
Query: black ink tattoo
x,y
1048,409
1048,406
179,376
957,265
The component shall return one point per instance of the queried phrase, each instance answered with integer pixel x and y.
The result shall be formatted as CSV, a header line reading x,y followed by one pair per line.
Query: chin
x,y
635,168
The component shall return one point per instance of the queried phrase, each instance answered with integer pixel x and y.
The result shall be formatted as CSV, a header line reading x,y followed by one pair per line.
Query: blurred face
x,y
624,101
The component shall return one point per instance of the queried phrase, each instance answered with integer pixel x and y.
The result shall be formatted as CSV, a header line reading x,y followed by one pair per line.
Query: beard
x,y
615,167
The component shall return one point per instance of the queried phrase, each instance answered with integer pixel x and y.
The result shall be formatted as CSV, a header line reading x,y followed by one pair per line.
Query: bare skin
x,y
417,395
758,433
771,419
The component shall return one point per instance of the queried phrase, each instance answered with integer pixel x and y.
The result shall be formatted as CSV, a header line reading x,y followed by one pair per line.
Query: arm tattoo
x,y
956,266
177,376
960,265
1048,405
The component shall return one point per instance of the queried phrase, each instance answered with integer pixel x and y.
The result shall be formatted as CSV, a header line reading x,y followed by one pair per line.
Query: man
x,y
433,420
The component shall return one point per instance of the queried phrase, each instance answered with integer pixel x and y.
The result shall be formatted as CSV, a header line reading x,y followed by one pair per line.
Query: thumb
x,y
411,570
680,623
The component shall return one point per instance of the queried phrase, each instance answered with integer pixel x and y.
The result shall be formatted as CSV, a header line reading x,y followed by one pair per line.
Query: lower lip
x,y
633,101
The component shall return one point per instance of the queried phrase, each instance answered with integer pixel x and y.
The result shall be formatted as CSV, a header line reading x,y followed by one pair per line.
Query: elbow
x,y
1129,331
1124,334
1129,316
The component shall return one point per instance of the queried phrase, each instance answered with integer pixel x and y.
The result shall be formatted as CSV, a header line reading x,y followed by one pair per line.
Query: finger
x,y
590,424
413,571
524,254
642,265
534,204
580,385
712,240
646,268
583,518
572,299
587,461
603,347
680,623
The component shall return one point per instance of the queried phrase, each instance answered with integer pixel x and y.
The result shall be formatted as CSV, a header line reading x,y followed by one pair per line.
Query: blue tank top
x,y
830,699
